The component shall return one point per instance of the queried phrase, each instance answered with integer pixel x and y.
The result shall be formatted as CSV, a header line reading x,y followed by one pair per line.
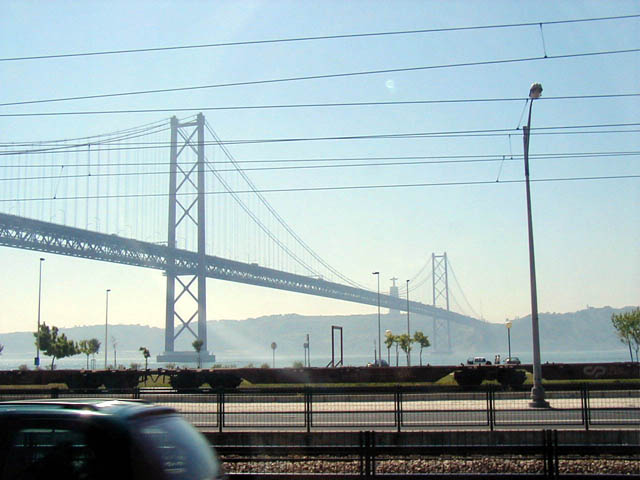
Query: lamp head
x,y
535,91
508,323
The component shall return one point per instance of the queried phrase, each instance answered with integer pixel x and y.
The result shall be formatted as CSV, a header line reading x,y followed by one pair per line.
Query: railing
x,y
406,432
450,455
391,409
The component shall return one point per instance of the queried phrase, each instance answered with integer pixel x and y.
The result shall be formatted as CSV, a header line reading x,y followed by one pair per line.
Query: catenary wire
x,y
340,188
491,159
323,76
315,105
423,159
312,38
551,130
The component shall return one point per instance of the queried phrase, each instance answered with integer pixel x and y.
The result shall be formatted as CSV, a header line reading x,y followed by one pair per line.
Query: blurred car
x,y
98,439
512,361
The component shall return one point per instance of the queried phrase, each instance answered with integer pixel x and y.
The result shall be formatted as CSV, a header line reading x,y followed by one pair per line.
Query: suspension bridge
x,y
133,197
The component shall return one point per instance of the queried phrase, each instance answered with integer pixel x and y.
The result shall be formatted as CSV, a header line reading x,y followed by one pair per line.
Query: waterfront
x,y
127,358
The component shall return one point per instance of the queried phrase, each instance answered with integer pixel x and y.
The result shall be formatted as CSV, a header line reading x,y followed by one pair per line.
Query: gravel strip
x,y
434,465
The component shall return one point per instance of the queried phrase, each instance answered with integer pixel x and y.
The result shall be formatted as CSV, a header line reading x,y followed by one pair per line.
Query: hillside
x,y
248,341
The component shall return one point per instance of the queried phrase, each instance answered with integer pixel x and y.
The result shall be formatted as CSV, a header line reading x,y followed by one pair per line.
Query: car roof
x,y
123,409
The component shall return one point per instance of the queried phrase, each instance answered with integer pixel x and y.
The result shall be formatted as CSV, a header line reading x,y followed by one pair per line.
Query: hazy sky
x,y
587,231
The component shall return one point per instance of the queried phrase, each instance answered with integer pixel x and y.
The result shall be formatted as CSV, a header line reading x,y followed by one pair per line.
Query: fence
x,y
459,454
397,409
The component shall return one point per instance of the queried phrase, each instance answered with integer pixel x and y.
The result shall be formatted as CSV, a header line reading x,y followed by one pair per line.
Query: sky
x,y
584,154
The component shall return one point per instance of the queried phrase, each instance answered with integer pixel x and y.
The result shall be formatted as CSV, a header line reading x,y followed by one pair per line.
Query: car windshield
x,y
178,448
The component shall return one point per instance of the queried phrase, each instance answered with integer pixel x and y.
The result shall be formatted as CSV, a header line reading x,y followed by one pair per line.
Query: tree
x,y
405,342
389,340
55,345
422,340
627,327
197,346
146,355
89,347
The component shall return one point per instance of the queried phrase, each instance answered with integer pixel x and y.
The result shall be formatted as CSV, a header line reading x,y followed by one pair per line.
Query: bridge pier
x,y
188,195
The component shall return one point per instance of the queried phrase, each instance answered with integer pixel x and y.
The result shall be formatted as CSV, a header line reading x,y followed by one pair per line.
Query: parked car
x,y
512,361
98,439
478,361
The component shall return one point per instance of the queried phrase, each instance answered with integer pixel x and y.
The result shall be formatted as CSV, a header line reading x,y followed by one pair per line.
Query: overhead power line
x,y
310,38
551,130
237,168
314,105
398,159
333,188
323,76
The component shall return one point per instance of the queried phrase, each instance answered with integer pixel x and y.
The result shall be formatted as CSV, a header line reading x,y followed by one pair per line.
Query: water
x,y
11,361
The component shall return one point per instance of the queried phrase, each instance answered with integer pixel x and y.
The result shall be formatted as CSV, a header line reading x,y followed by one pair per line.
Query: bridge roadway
x,y
25,233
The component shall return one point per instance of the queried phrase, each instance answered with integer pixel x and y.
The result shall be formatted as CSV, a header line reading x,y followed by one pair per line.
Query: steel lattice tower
x,y
187,215
440,283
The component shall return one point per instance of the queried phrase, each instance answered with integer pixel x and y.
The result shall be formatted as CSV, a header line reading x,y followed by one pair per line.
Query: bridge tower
x,y
394,292
186,216
440,283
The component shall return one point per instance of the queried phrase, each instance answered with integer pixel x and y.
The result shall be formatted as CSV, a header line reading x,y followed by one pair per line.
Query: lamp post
x,y
508,323
106,323
379,341
388,333
37,359
274,345
408,329
537,392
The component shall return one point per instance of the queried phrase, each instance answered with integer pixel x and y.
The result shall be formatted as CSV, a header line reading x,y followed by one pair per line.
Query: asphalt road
x,y
621,410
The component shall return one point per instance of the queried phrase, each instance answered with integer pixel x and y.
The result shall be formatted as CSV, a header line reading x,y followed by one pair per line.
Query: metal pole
x,y
37,359
408,329
509,340
202,254
537,392
106,327
379,340
169,328
375,354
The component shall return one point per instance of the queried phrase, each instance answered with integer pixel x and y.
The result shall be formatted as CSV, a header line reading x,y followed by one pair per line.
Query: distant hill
x,y
244,341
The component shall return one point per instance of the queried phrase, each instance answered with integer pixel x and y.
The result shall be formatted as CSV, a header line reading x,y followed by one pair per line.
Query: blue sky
x,y
587,249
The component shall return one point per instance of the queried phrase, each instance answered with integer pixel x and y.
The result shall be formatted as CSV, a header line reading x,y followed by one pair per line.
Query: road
x,y
415,411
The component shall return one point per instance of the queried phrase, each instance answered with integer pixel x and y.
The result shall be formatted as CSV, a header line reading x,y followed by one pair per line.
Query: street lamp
x,y
106,323
408,329
274,345
537,392
508,323
37,359
379,341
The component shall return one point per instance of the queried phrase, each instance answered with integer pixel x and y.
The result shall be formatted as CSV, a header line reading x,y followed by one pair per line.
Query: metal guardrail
x,y
409,432
396,409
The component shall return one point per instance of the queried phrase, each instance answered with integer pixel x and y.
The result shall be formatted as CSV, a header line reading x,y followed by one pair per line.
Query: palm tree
x,y
421,339
146,355
197,346
389,340
405,342
89,347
